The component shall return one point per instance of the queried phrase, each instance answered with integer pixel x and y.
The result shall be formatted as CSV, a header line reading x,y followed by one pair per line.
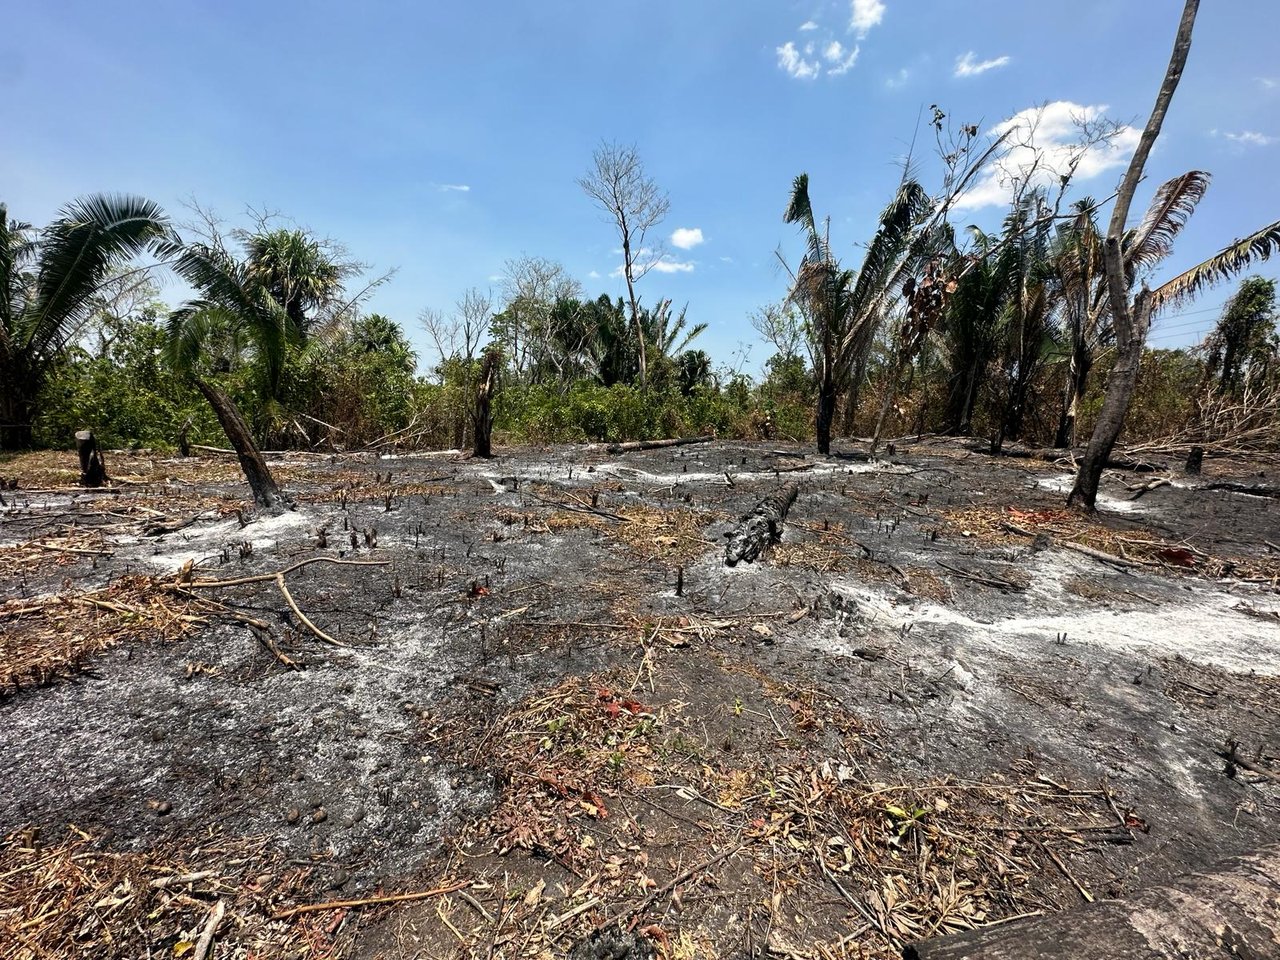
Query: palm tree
x,y
262,304
48,280
844,308
1075,264
1141,250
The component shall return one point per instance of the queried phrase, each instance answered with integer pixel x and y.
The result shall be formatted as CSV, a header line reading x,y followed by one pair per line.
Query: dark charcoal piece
x,y
761,527
612,943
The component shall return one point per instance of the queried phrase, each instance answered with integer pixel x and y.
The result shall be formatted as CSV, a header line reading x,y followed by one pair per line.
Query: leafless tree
x,y
618,184
781,325
532,286
459,334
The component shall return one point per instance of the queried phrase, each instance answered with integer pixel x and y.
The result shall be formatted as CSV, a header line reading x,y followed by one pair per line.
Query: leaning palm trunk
x,y
1131,320
266,493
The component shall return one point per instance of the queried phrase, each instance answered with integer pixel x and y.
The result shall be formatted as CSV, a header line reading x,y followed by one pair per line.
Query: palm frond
x,y
1223,265
77,250
1168,213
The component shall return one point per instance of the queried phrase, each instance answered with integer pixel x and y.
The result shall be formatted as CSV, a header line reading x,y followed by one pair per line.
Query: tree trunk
x,y
1231,911
642,354
1115,406
486,389
826,412
266,494
761,527
93,471
1195,459
1130,320
184,445
1073,396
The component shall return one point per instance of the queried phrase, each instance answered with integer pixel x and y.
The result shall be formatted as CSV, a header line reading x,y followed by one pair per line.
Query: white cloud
x,y
1250,138
1266,83
865,15
790,60
808,25
686,238
673,266
594,274
1044,142
458,187
899,79
840,58
968,65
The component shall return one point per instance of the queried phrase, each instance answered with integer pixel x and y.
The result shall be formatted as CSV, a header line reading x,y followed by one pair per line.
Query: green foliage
x,y
1244,348
128,396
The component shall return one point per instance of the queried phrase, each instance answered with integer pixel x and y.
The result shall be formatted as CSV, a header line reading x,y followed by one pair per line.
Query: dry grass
x,y
50,637
73,898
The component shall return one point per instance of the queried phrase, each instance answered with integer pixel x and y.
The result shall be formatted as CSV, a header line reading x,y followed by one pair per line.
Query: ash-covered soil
x,y
517,696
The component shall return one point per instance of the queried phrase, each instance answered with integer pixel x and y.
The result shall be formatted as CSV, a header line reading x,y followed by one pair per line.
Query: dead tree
x,y
93,470
266,493
1130,320
482,415
761,527
1231,911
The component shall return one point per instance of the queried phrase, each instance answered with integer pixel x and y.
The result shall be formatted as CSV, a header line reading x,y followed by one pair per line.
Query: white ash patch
x,y
1063,484
198,542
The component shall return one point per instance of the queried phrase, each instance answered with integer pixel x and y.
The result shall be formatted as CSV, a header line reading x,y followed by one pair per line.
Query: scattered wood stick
x,y
372,901
205,943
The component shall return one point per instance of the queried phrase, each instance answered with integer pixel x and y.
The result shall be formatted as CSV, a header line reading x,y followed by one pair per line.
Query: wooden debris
x,y
631,445
761,527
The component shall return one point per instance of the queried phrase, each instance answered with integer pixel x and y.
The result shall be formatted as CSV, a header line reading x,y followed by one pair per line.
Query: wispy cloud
x,y
791,60
666,265
896,80
1046,144
865,14
968,65
686,238
840,58
454,187
663,264
1248,138
594,274
808,25
1266,83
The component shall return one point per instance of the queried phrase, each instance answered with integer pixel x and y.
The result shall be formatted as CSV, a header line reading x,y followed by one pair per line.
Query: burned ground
x,y
943,700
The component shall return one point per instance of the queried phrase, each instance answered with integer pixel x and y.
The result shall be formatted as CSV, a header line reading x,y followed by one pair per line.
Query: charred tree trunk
x,y
266,494
487,388
93,470
1232,911
184,444
761,527
826,413
1195,459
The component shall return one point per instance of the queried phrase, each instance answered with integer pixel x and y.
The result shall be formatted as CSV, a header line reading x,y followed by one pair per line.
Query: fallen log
x,y
631,445
1252,489
761,527
1117,461
1232,910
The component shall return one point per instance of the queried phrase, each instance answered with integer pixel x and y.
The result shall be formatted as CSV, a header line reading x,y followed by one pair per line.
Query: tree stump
x,y
93,471
1194,459
761,527
486,390
184,445
1230,911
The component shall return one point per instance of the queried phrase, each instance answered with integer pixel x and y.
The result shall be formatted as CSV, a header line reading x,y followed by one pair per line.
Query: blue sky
x,y
360,121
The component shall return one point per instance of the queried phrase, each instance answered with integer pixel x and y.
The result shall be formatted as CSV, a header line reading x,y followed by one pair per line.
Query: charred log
x,y
761,527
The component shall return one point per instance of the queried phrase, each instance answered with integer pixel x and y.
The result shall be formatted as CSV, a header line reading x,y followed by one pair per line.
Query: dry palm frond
x,y
1170,209
1221,266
